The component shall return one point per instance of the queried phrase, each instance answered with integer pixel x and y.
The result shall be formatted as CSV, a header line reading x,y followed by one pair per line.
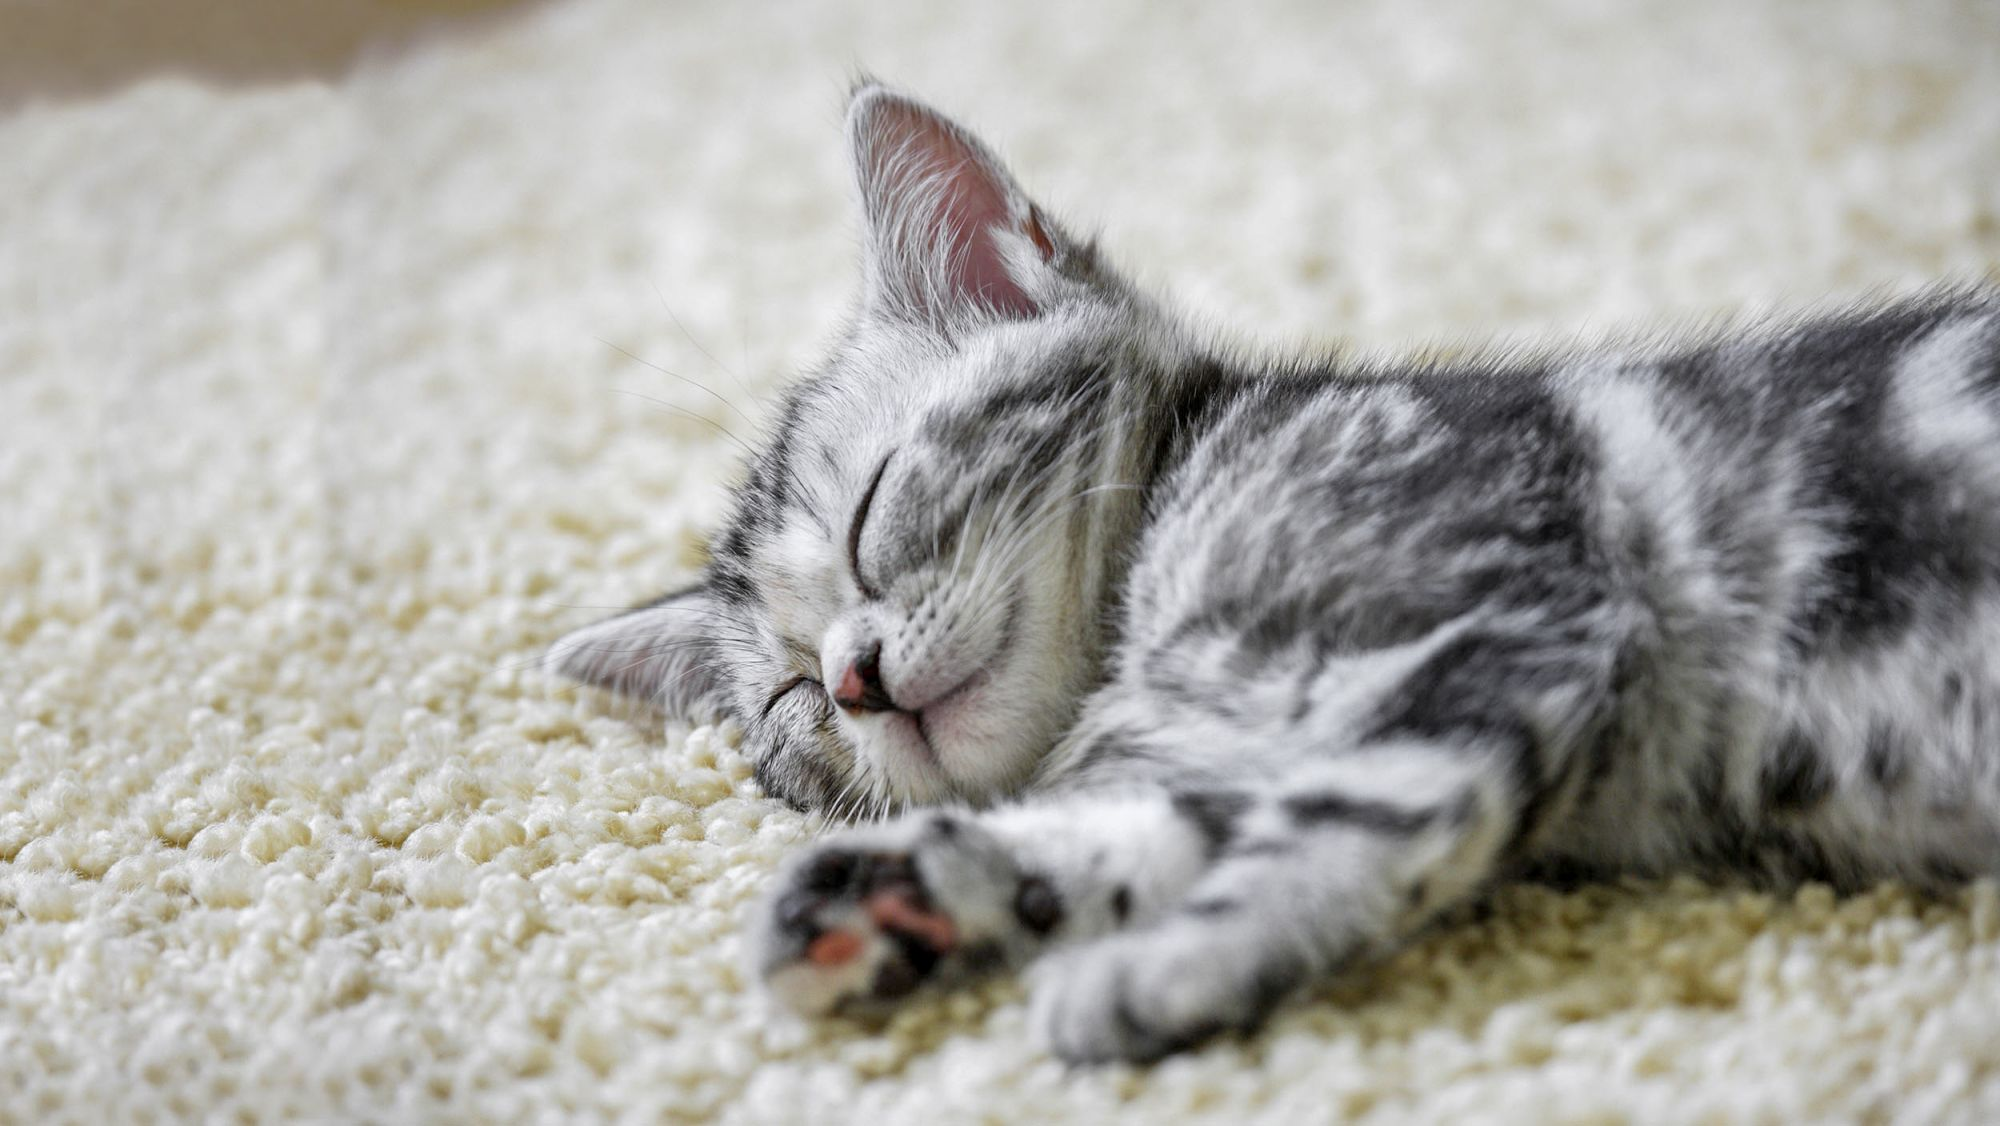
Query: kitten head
x,y
907,603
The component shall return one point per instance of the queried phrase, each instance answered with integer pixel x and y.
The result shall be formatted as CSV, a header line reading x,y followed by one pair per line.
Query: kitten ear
x,y
660,654
950,236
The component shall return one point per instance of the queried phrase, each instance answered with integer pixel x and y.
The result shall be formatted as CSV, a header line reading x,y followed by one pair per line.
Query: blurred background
x,y
293,229
350,351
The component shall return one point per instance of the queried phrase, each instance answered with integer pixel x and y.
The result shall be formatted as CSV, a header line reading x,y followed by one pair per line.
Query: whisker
x,y
539,661
690,381
1014,514
696,415
743,645
1008,528
841,798
1004,567
1053,510
657,292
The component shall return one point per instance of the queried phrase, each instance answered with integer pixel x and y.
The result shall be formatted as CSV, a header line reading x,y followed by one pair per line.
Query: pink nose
x,y
860,688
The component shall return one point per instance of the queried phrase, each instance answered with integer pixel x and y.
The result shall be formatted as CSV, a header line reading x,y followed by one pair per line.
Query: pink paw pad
x,y
834,948
891,911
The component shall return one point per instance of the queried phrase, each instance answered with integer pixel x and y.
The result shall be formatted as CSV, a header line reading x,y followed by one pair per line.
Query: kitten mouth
x,y
949,709
912,733
917,721
950,698
950,695
978,677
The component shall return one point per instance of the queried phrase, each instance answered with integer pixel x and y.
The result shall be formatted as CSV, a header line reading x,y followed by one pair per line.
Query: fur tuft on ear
x,y
660,654
951,237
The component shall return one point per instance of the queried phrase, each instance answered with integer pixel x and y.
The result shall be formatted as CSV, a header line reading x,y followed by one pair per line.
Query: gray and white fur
x,y
1220,676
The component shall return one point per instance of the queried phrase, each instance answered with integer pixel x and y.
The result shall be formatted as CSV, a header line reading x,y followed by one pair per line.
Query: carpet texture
x,y
327,400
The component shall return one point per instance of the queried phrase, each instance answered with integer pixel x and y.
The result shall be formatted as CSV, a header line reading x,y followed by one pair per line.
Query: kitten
x,y
1231,675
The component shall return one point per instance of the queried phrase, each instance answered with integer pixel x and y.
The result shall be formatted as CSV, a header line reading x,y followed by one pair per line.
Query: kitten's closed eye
x,y
860,522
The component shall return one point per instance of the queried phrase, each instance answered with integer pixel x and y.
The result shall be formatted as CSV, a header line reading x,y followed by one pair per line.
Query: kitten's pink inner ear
x,y
950,201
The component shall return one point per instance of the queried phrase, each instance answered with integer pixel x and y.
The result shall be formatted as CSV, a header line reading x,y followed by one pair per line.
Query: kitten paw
x,y
866,918
1142,995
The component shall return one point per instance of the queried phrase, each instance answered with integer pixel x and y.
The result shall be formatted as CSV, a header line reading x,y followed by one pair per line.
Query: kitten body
x,y
1234,673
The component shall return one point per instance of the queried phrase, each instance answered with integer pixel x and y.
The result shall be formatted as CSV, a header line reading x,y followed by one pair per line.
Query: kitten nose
x,y
860,687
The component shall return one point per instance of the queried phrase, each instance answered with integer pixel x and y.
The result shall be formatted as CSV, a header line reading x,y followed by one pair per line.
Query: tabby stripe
x,y
1381,817
1213,813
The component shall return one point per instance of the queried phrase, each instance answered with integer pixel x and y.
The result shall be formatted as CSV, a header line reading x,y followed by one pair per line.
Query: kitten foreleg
x,y
1340,862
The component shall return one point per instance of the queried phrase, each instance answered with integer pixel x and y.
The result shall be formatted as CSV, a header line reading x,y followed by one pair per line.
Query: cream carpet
x,y
316,424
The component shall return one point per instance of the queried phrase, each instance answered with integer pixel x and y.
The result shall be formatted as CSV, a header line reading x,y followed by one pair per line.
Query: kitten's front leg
x,y
1341,860
862,919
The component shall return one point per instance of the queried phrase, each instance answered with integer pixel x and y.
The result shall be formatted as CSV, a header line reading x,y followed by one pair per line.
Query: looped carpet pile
x,y
328,398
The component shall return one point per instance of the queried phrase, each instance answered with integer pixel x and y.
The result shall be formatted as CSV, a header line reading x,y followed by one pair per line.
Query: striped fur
x,y
1239,672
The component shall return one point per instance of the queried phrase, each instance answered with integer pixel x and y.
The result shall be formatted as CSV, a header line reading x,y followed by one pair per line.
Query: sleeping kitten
x,y
1231,675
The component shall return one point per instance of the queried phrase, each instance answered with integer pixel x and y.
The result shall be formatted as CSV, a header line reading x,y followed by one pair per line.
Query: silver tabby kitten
x,y
1231,675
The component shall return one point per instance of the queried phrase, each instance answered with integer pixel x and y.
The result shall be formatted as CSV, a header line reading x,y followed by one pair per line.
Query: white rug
x,y
315,426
